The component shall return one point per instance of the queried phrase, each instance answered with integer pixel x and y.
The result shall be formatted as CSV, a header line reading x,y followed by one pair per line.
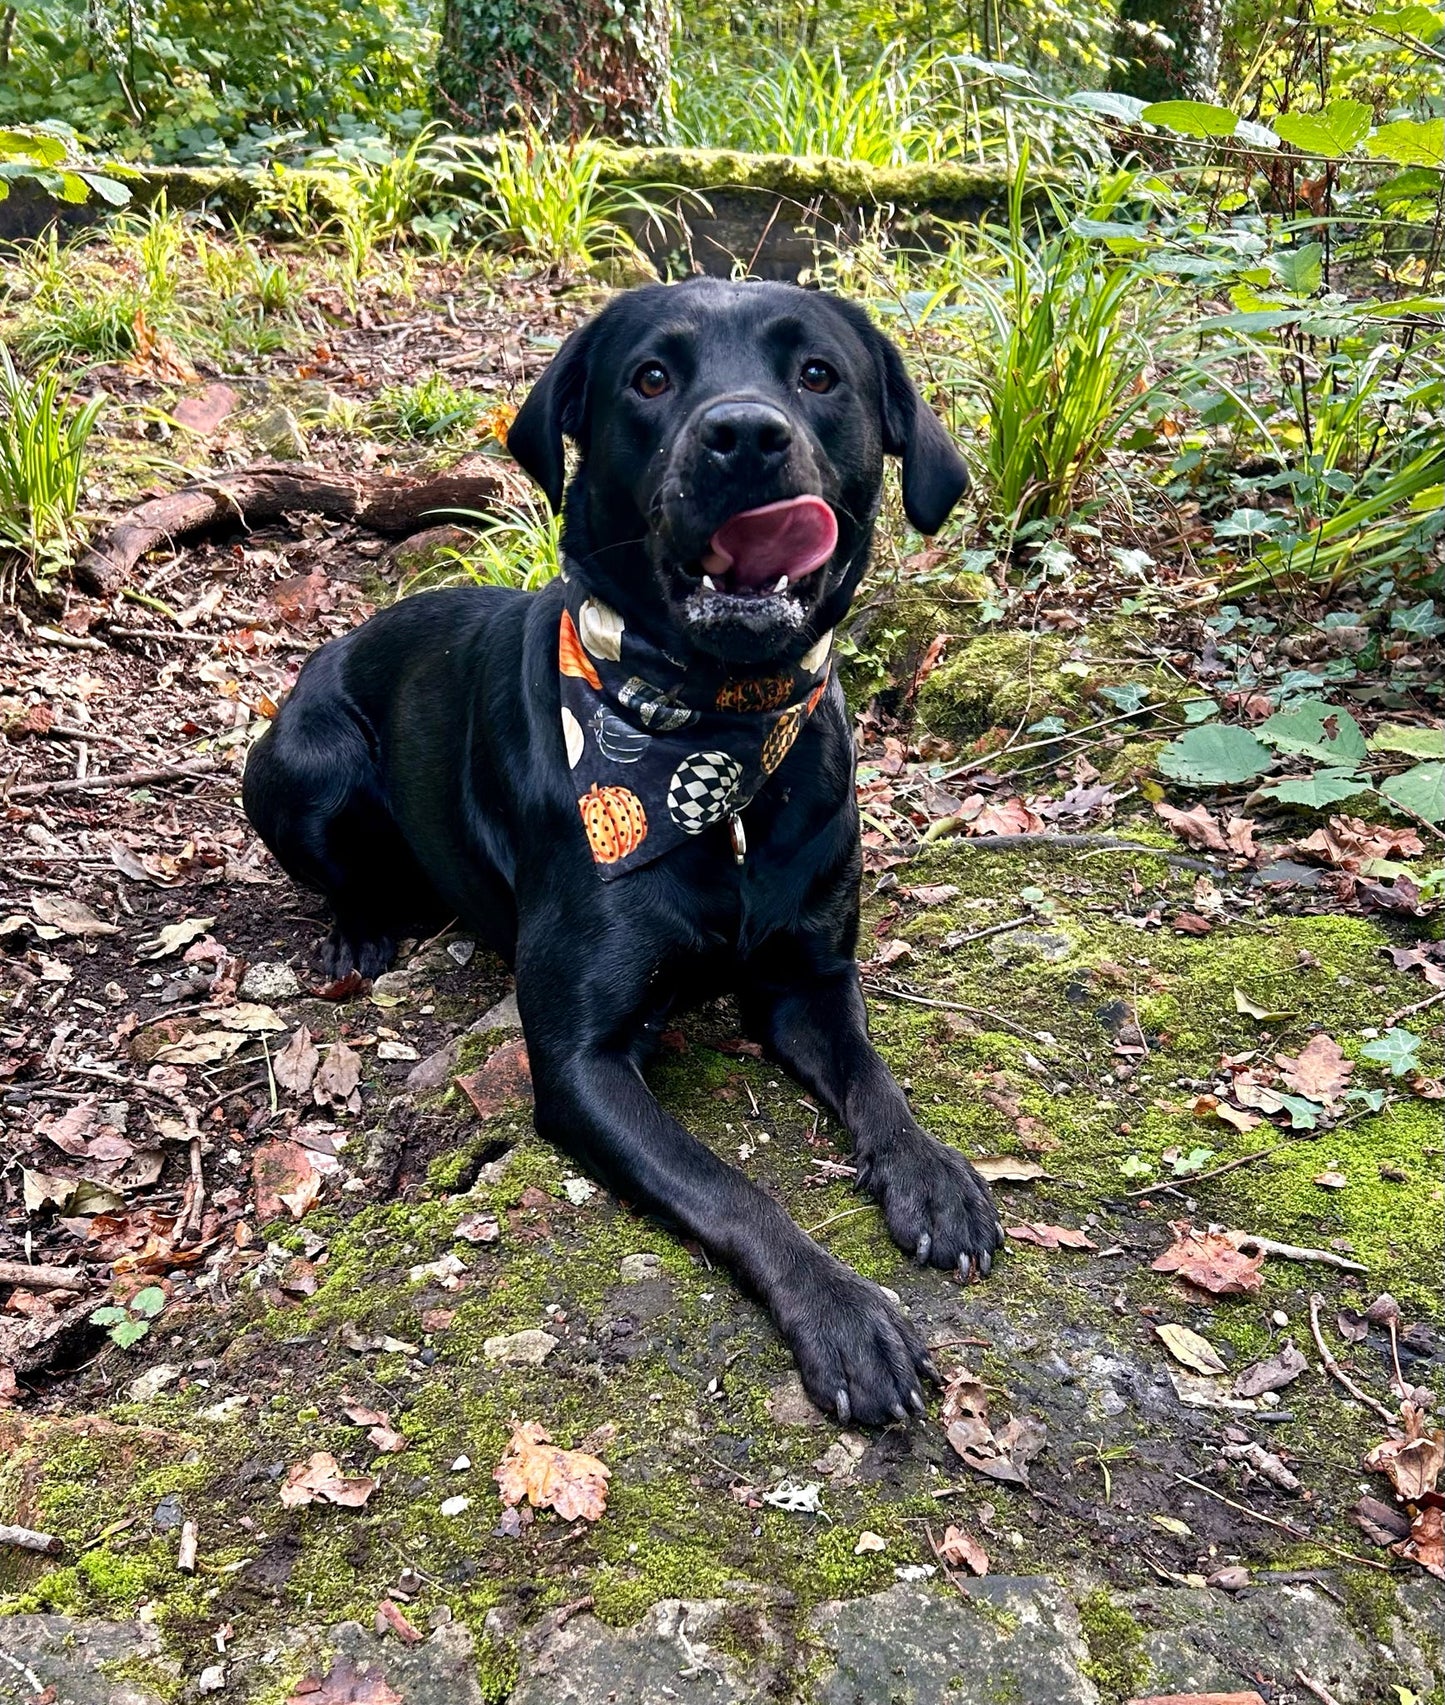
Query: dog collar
x,y
660,752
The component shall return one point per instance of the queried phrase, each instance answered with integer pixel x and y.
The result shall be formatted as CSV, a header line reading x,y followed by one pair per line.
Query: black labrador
x,y
637,785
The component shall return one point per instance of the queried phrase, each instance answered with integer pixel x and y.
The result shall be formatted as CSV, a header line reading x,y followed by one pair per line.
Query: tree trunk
x,y
1170,49
592,67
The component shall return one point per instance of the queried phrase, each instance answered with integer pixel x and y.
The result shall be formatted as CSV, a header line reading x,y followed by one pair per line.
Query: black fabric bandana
x,y
661,752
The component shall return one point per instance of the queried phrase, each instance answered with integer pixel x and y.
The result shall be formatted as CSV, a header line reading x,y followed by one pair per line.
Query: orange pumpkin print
x,y
780,738
614,821
571,658
753,693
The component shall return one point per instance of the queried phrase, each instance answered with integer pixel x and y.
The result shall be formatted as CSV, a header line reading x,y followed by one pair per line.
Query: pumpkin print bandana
x,y
661,753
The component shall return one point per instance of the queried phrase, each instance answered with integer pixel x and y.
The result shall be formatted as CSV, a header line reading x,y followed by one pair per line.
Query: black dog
x,y
673,691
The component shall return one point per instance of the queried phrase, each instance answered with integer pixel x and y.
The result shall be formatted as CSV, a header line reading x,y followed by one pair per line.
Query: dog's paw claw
x,y
840,1403
936,1205
925,1244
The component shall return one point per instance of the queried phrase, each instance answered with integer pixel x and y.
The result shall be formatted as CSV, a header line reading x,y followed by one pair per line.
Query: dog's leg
x,y
857,1355
936,1205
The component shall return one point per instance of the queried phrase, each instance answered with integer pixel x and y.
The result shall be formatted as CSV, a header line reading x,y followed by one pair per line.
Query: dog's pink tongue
x,y
759,546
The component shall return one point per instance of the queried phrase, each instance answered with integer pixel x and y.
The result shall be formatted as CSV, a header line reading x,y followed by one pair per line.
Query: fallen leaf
x,y
1381,1522
285,1179
1348,843
1319,1072
1191,923
1272,1374
295,1066
1004,1455
1208,1259
1426,1544
1331,1180
961,1550
1250,1009
1257,1460
568,1481
70,1130
1006,817
204,413
1210,1106
173,938
931,894
869,1542
337,1078
1196,826
892,953
319,1480
70,916
1190,1349
202,1048
344,1684
1008,1169
1051,1236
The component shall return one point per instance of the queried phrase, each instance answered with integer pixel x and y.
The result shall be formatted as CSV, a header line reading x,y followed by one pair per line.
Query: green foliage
x,y
1215,755
43,437
433,408
128,1323
48,153
520,545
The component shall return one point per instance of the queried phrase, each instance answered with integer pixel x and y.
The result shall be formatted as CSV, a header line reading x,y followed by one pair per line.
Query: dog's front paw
x,y
348,950
858,1357
937,1207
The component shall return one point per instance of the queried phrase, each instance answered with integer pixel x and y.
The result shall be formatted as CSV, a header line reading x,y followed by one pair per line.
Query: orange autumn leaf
x,y
1051,1236
320,1480
1319,1072
568,1481
1208,1259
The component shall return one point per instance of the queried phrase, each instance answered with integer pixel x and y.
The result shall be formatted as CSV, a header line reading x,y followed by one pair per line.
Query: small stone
x,y
503,1016
389,1050
152,1382
790,1406
461,1465
461,951
269,981
446,1272
168,1514
434,1072
635,1268
212,1679
578,1190
1279,1317
529,1348
916,1571
455,1506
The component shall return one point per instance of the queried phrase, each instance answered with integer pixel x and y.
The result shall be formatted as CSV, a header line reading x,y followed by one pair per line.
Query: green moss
x,y
1116,1663
146,1675
994,681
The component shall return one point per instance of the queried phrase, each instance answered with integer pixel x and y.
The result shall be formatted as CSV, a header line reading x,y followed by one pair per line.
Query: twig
x,y
1012,843
27,1539
833,1219
164,634
1419,1006
1244,1241
1320,1691
189,1230
950,942
1288,1527
1333,1368
42,1278
878,988
186,1555
72,641
121,778
1213,1172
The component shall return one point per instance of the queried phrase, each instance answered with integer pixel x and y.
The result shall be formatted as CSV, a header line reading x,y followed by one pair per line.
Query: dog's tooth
x,y
707,581
782,585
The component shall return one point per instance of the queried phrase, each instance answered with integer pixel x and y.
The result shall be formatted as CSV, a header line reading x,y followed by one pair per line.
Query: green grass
x,y
432,408
43,439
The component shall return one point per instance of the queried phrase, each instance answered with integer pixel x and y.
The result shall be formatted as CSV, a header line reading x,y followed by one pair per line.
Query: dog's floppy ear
x,y
556,406
934,474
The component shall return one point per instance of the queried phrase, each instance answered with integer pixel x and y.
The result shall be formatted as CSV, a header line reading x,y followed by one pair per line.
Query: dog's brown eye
x,y
817,376
650,380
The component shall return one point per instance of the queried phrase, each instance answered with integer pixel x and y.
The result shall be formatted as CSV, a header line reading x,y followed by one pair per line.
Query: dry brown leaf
x,y
70,916
295,1066
1006,817
1250,1698
1348,843
1319,1072
1195,826
568,1481
1007,1169
1050,1236
1426,1544
390,1620
1331,1180
1272,1374
1208,1259
961,1550
337,1078
1004,1455
1190,1349
319,1480
285,1179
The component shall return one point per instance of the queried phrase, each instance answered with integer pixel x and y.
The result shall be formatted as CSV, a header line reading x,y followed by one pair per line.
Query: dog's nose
x,y
745,431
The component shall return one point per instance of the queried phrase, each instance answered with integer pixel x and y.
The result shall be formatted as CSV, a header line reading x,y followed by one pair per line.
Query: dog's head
x,y
732,439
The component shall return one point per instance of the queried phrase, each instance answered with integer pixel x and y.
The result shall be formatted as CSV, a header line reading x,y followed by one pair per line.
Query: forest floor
x,y
344,1272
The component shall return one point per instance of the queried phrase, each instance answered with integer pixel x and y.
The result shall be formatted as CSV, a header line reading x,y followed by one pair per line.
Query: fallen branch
x,y
1245,1241
27,1539
876,988
42,1278
186,1554
188,1231
251,497
1333,1368
1419,1006
118,778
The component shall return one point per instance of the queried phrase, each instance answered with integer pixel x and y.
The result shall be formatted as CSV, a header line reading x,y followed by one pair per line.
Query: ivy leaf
x,y
1303,1113
1128,698
1316,730
1334,132
1048,725
1319,790
1199,710
1396,1050
1420,791
1214,756
1191,118
1410,142
1420,620
1413,742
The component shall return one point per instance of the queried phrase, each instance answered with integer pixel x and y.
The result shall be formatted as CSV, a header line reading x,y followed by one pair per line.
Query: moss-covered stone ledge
x,y
766,212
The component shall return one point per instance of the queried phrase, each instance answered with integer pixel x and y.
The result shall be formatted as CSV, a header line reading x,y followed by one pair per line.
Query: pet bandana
x,y
661,753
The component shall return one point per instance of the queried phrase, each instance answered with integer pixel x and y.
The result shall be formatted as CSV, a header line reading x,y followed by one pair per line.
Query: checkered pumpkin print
x,y
704,790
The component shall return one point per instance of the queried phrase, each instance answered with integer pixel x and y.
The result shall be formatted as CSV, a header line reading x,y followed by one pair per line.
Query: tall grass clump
x,y
519,545
43,440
